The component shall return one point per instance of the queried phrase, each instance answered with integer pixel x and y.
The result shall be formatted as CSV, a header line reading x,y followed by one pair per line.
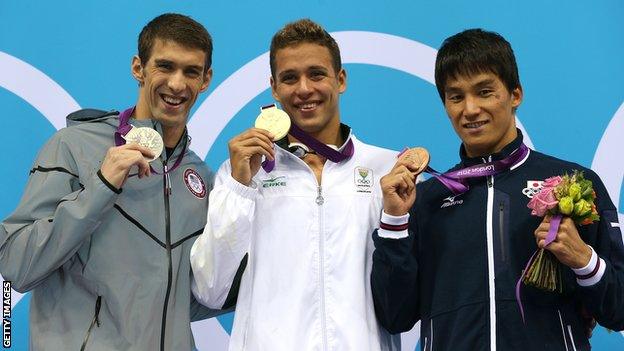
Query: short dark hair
x,y
476,51
178,28
304,31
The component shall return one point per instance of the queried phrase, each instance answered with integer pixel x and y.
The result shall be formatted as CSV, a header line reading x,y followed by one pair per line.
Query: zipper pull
x,y
167,181
319,196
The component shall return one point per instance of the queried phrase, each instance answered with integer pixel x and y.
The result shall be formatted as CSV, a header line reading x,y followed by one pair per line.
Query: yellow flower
x,y
575,191
566,205
582,208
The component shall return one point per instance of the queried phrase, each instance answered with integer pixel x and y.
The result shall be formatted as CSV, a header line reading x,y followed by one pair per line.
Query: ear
x,y
516,97
274,89
342,81
207,79
137,69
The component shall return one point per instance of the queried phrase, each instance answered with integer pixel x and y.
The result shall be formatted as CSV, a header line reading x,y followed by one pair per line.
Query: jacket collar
x,y
506,151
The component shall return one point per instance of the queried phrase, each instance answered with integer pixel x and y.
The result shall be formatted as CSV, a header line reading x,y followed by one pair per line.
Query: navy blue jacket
x,y
440,273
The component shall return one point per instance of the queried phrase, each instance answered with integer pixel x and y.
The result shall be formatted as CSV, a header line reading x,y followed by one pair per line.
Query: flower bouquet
x,y
567,195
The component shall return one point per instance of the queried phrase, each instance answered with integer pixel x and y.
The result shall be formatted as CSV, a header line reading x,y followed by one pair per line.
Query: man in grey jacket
x,y
102,234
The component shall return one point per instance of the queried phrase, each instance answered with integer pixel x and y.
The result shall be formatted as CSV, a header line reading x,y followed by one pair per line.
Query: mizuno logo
x,y
450,201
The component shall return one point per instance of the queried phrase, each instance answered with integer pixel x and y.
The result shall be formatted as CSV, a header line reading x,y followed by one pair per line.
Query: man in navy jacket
x,y
452,261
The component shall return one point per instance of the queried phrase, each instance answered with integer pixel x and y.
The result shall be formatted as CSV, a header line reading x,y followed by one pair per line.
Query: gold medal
x,y
146,137
418,157
273,120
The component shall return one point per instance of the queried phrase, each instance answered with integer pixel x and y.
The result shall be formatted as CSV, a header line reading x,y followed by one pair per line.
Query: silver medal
x,y
146,137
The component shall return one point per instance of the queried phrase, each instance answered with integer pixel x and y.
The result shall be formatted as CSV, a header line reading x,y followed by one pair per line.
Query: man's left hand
x,y
568,246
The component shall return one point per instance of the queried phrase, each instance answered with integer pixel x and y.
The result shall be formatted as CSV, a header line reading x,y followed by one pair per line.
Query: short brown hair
x,y
304,31
178,28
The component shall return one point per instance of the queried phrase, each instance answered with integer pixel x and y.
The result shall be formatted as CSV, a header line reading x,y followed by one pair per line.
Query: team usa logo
x,y
533,187
195,183
363,179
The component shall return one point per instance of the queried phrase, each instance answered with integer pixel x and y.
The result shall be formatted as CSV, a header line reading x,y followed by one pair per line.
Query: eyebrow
x,y
291,71
477,85
162,61
170,62
322,68
485,82
283,73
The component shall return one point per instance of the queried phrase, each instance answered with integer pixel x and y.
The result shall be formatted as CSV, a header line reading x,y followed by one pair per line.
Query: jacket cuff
x,y
109,185
592,272
248,192
393,227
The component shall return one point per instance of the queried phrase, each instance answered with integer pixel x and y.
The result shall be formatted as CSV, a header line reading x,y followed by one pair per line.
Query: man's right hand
x,y
399,188
120,159
246,151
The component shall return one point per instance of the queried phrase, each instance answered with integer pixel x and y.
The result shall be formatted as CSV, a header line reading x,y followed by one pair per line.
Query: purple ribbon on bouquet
x,y
455,180
550,237
311,142
125,127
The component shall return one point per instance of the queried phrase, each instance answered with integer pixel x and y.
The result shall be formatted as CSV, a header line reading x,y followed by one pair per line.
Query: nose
x,y
304,87
471,106
176,82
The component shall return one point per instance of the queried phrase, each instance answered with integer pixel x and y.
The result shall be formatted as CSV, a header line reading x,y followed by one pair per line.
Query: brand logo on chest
x,y
533,187
451,201
274,182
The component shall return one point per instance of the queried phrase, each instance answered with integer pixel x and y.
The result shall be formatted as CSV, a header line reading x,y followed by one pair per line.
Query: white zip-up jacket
x,y
306,285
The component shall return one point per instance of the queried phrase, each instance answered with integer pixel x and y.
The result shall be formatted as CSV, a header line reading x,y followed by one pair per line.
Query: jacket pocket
x,y
94,322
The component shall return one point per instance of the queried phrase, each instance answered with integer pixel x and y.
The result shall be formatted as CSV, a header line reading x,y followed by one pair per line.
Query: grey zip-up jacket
x,y
108,270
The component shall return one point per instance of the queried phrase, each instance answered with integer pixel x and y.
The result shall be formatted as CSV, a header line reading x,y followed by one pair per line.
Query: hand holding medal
x,y
148,138
417,158
120,159
248,148
273,120
399,186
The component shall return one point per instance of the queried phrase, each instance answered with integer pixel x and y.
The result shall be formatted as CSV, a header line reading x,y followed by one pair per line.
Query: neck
x,y
171,134
330,135
476,151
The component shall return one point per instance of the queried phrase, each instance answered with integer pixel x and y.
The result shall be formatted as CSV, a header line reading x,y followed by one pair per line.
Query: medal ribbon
x,y
455,180
311,142
123,129
553,228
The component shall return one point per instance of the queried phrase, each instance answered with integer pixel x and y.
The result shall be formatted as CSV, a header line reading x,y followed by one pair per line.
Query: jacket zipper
x,y
167,193
571,337
94,322
320,201
490,256
563,333
501,228
431,334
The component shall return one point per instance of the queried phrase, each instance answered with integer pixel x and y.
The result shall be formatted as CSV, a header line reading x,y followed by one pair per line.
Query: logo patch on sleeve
x,y
194,183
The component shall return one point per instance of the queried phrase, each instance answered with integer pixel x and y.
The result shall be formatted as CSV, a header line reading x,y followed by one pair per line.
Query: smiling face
x,y
308,88
170,82
482,112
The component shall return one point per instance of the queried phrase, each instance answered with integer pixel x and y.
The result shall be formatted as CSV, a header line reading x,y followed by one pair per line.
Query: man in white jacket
x,y
289,245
